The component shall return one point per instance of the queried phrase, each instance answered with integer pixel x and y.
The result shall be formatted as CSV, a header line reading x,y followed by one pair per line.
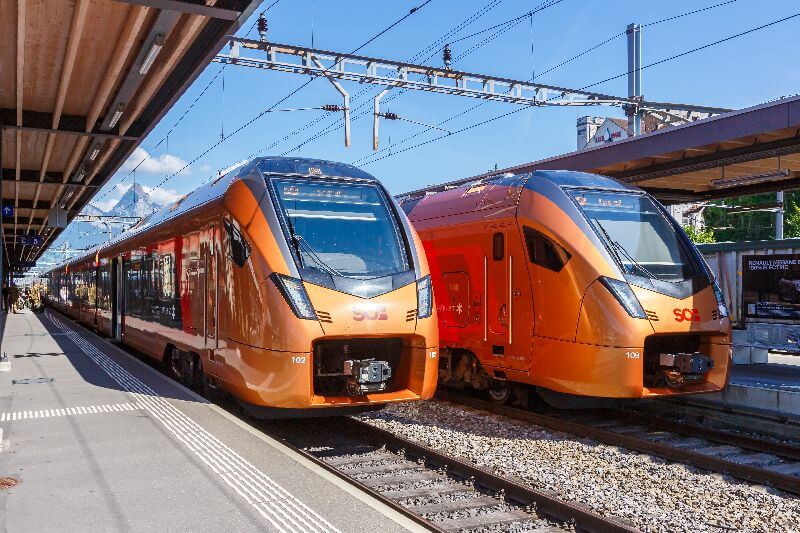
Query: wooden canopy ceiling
x,y
76,96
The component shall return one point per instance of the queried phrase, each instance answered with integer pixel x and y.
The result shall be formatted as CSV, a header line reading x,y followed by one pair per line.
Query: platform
x,y
99,441
772,389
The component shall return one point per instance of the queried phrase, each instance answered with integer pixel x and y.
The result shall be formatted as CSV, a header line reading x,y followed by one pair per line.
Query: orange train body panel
x,y
524,266
247,285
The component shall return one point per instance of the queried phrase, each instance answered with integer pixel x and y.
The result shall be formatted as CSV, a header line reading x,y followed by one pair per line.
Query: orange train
x,y
296,285
575,283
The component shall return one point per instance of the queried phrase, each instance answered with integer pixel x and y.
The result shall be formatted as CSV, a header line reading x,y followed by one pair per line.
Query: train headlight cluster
x,y
296,296
424,297
625,296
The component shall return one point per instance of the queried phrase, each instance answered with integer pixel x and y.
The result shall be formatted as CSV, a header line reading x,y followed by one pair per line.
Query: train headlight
x,y
723,308
624,295
424,297
295,295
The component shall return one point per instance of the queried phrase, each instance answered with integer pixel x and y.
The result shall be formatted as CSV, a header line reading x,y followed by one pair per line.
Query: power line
x,y
295,91
188,109
660,21
433,46
659,62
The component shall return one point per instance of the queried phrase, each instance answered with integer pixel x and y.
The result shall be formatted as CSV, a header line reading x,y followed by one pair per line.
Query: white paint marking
x,y
273,502
70,411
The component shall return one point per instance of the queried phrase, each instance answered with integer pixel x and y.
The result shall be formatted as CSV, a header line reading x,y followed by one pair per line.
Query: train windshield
x,y
638,234
342,229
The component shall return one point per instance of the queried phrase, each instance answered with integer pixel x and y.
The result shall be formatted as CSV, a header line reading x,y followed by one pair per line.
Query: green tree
x,y
699,236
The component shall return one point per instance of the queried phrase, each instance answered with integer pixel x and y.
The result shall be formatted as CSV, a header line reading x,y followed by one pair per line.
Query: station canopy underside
x,y
744,152
84,81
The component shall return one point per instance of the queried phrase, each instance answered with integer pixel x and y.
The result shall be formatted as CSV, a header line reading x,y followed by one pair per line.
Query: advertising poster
x,y
771,286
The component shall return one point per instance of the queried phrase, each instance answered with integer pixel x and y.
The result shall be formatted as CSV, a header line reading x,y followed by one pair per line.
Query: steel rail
x,y
780,449
745,472
546,503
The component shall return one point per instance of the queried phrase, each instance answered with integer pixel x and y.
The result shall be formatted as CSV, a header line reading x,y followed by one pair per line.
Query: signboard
x,y
29,240
771,287
8,211
57,218
23,264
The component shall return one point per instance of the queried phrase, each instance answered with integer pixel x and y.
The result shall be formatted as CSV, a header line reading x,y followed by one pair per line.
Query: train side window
x,y
498,247
239,249
544,252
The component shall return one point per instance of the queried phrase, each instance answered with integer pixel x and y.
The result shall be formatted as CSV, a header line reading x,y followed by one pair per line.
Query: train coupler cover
x,y
366,375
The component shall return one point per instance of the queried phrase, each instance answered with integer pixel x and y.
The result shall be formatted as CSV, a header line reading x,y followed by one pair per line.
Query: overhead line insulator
x,y
262,27
332,108
447,56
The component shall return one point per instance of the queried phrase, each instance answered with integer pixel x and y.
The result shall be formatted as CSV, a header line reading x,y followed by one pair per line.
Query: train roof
x,y
208,192
571,178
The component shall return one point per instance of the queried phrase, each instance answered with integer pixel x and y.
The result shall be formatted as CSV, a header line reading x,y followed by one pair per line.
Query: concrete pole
x,y
634,32
779,216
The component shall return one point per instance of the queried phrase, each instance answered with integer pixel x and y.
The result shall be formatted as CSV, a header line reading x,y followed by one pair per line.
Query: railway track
x,y
744,457
441,493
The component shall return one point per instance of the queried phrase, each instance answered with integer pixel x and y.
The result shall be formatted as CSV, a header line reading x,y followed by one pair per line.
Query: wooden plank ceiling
x,y
68,66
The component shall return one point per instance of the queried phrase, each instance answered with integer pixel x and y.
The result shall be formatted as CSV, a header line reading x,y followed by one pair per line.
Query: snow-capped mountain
x,y
85,234
134,203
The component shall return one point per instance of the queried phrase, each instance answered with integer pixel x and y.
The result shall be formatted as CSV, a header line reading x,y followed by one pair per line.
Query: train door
x,y
117,298
496,283
210,261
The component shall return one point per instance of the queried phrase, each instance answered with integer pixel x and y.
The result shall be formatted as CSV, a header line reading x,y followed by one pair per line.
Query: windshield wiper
x,y
319,261
617,247
633,261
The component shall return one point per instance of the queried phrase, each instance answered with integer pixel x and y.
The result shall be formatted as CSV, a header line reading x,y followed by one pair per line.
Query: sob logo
x,y
686,315
369,312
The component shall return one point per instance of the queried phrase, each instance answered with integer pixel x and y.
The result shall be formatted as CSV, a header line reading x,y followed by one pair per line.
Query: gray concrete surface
x,y
101,442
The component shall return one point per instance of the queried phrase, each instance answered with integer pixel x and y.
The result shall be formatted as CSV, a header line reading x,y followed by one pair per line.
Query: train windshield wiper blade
x,y
633,261
300,240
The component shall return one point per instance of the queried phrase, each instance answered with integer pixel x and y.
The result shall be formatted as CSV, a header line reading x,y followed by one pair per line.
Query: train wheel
x,y
499,392
181,366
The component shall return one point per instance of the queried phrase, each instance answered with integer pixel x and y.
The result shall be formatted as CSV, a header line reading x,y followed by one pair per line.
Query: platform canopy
x,y
82,83
743,152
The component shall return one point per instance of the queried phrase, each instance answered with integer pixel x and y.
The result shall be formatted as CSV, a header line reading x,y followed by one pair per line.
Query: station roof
x,y
733,154
85,81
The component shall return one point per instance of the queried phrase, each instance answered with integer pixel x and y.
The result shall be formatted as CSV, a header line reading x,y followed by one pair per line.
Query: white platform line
x,y
69,411
273,502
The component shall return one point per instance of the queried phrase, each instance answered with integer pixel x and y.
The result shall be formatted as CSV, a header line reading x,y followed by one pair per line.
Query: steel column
x,y
634,33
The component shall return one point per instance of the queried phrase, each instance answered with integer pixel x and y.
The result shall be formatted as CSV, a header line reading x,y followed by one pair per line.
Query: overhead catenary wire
x,y
292,93
337,126
187,110
649,65
431,47
559,65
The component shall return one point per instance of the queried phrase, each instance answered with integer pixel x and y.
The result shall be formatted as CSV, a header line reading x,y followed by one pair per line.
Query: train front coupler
x,y
366,375
681,369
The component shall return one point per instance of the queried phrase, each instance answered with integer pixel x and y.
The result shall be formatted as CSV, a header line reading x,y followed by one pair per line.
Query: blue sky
x,y
740,73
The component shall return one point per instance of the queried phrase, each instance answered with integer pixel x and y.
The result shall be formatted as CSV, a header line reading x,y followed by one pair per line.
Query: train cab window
x,y
498,247
239,249
544,252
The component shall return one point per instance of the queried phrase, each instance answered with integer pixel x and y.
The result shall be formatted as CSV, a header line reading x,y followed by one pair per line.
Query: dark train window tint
x,y
239,249
544,252
498,247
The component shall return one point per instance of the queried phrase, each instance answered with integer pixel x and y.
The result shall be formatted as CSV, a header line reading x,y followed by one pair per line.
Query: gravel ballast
x,y
651,493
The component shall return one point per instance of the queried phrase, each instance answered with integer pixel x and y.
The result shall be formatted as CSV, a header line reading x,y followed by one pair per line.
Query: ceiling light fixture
x,y
95,152
750,180
116,116
158,44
